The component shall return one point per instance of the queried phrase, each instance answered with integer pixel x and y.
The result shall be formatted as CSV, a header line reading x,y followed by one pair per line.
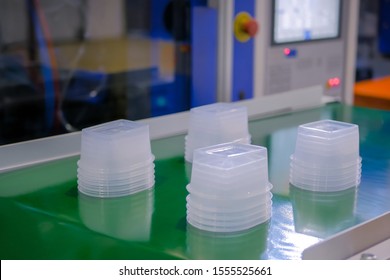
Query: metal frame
x,y
369,240
225,48
351,50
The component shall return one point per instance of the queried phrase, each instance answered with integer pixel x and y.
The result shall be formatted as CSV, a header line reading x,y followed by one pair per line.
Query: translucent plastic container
x,y
325,182
214,124
328,130
349,143
229,188
329,177
236,203
324,187
228,226
327,140
346,169
107,192
326,156
145,172
243,214
325,160
208,167
117,186
106,175
217,219
110,182
325,172
325,164
242,208
139,166
230,159
115,145
115,159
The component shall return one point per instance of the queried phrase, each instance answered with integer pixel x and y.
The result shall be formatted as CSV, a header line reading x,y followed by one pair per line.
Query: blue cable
x,y
45,68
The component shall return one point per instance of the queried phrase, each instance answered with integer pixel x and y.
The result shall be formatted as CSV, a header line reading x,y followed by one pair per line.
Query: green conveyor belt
x,y
42,215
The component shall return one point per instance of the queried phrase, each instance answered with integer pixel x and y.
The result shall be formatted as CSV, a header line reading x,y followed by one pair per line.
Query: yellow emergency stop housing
x,y
240,21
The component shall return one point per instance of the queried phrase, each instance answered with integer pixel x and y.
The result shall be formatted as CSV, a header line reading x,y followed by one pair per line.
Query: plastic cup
x,y
325,187
115,159
228,226
232,203
328,130
129,176
230,159
242,210
217,217
325,176
135,167
113,191
326,171
320,178
230,169
227,221
327,143
115,145
214,124
117,184
326,156
229,189
325,160
255,166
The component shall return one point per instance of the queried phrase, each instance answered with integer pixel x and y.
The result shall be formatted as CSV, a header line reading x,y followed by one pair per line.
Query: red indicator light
x,y
334,82
288,52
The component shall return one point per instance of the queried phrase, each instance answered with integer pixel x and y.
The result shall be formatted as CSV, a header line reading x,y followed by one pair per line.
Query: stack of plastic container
x,y
215,124
326,157
229,189
115,159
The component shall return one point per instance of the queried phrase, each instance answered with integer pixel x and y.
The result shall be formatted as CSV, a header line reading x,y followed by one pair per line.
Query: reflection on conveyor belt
x,y
245,245
322,214
127,218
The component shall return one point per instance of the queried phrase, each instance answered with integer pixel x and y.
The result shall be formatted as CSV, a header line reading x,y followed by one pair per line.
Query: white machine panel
x,y
304,43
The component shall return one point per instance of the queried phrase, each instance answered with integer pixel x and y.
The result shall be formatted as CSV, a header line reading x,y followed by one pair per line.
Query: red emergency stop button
x,y
245,27
250,27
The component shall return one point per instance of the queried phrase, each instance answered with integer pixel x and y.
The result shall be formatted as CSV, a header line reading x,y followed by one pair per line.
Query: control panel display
x,y
305,20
